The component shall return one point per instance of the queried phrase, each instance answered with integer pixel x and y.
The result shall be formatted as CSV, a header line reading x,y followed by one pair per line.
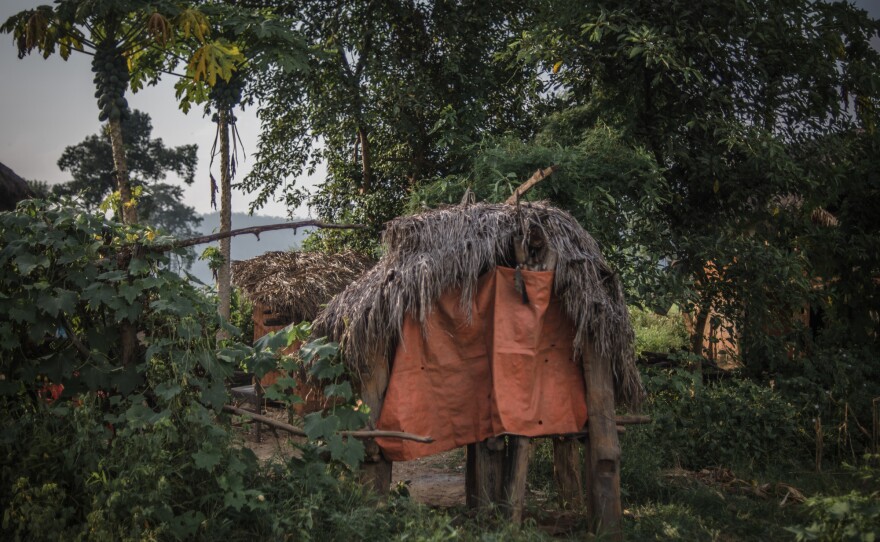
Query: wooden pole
x,y
567,472
488,472
604,465
299,432
516,468
376,470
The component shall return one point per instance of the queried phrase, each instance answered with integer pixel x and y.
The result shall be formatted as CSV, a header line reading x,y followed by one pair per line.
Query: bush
x,y
658,333
730,422
852,517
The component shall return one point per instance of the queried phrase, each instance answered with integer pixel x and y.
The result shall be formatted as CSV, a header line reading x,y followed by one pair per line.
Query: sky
x,y
49,104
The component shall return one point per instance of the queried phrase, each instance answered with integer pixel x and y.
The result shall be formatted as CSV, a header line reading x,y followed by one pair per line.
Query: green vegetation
x,y
724,156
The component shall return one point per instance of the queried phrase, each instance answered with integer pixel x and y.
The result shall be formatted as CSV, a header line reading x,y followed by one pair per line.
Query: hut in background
x,y
290,287
444,254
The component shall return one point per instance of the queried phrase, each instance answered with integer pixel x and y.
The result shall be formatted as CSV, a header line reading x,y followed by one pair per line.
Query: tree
x,y
742,105
256,43
90,163
395,96
131,42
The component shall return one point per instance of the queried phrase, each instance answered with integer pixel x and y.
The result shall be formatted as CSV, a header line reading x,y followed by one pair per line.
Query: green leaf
x,y
342,389
318,427
349,451
206,458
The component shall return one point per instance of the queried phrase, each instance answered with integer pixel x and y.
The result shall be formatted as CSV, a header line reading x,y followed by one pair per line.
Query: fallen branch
x,y
299,432
537,177
256,230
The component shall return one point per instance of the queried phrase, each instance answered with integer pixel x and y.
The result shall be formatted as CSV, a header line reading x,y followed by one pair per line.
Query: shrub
x,y
730,422
658,333
852,517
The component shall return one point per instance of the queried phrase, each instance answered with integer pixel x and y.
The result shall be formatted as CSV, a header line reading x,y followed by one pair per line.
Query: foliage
x,y
836,387
658,333
751,147
242,316
149,162
394,96
851,517
731,422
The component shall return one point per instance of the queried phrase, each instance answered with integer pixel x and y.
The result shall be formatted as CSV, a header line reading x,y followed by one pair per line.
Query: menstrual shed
x,y
485,325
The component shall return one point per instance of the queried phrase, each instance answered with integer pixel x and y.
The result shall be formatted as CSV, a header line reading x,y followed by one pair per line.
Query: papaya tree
x,y
254,43
130,42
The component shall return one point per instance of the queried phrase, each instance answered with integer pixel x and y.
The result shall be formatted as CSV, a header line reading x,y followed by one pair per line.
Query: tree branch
x,y
299,432
537,177
256,230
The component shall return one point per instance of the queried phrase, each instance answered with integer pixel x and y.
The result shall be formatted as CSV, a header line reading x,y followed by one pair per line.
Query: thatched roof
x,y
297,283
433,252
12,189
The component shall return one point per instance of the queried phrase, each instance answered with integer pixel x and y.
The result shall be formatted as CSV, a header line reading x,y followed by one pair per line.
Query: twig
x,y
299,432
537,177
256,230
75,340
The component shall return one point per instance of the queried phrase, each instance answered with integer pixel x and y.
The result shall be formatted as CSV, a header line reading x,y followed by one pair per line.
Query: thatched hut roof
x,y
433,252
12,189
297,283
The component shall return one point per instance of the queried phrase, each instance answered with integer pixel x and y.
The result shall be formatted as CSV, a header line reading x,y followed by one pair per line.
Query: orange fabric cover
x,y
509,371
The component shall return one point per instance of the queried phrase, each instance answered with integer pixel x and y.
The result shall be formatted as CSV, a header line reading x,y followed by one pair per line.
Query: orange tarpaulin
x,y
509,370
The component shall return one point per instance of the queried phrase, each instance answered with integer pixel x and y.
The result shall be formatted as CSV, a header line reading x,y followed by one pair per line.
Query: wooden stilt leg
x,y
567,469
516,467
470,476
604,446
489,472
376,470
588,478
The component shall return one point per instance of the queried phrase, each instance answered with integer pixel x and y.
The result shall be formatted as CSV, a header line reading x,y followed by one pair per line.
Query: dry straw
x,y
449,248
297,283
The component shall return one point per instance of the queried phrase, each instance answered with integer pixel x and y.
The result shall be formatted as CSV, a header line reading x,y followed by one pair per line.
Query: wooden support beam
x,y
488,472
470,477
516,469
376,471
604,447
368,434
567,469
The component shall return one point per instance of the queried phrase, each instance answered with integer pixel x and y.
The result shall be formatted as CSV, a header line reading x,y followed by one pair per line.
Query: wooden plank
x,y
488,472
567,469
516,468
376,470
604,446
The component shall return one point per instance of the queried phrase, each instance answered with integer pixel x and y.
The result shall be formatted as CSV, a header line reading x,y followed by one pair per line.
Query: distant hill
x,y
245,247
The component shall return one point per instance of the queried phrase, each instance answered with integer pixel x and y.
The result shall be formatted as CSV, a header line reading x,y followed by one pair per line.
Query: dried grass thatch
x,y
297,283
430,253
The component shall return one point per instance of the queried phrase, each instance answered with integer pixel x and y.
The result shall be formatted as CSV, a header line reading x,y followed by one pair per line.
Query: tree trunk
x,y
224,274
366,161
128,210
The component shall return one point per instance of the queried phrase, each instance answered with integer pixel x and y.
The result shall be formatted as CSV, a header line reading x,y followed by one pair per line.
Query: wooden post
x,y
488,472
516,468
376,470
604,466
567,472
470,476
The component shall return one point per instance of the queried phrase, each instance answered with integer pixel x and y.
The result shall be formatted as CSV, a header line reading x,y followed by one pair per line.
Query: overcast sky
x,y
49,104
